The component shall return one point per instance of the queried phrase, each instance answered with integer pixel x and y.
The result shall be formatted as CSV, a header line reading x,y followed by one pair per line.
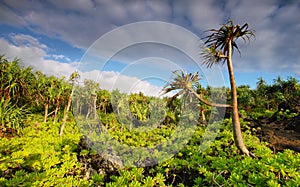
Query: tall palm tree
x,y
219,48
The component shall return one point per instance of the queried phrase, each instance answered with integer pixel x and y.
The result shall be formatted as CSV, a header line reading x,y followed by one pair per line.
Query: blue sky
x,y
54,36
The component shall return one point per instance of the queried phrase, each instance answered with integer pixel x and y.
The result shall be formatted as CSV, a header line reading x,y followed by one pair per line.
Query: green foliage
x,y
285,114
10,115
218,165
271,96
221,165
40,157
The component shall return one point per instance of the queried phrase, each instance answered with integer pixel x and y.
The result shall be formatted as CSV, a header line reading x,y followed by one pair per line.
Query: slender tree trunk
x,y
55,112
67,110
77,106
95,106
203,118
88,112
207,102
46,107
236,127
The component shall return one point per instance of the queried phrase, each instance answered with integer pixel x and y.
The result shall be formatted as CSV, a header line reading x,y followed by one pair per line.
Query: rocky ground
x,y
281,134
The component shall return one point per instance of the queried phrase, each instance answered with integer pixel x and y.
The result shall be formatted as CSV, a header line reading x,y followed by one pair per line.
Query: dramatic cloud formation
x,y
31,26
35,54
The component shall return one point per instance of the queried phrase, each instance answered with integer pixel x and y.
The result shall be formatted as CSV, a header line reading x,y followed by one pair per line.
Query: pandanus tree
x,y
219,48
104,101
187,83
14,91
60,89
220,44
14,81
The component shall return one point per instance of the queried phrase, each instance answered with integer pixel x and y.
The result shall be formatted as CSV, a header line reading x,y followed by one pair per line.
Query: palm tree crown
x,y
217,43
182,81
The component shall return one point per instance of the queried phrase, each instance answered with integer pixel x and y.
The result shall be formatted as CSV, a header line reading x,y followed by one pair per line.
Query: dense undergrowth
x,y
32,153
39,157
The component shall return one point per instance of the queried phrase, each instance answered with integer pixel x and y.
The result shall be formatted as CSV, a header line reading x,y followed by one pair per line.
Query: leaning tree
x,y
219,46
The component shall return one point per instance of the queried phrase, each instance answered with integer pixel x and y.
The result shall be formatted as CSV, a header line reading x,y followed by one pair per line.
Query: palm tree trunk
x,y
46,107
67,110
95,106
88,113
236,127
203,118
55,112
207,102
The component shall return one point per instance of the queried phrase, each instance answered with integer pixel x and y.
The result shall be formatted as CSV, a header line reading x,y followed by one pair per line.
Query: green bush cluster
x,y
39,157
34,104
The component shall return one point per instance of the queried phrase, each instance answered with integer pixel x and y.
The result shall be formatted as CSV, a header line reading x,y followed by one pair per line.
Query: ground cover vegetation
x,y
33,153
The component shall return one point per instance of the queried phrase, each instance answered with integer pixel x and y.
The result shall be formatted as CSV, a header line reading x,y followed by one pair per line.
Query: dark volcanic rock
x,y
292,105
294,124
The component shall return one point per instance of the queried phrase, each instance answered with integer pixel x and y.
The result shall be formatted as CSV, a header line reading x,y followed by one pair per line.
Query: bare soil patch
x,y
281,134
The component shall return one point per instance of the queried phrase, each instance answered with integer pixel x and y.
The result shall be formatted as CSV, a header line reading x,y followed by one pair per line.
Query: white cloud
x,y
277,30
80,23
204,15
147,39
76,5
61,57
111,80
34,56
9,17
257,13
27,40
32,53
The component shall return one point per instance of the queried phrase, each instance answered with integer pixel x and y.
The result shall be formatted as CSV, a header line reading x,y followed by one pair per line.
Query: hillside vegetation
x,y
36,151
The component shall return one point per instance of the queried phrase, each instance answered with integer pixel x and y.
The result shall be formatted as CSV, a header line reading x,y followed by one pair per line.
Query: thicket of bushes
x,y
35,154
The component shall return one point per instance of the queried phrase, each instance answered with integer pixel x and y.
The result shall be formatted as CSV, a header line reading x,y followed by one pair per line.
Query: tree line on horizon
x,y
24,91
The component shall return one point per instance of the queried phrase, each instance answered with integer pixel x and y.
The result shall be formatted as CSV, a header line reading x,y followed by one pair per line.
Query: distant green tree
x,y
104,101
91,88
246,98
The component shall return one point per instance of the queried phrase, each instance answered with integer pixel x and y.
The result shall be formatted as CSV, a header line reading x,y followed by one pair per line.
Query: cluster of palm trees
x,y
23,91
280,91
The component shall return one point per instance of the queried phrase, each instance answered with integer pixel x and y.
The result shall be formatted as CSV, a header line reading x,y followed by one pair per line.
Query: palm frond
x,y
212,56
182,81
218,41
